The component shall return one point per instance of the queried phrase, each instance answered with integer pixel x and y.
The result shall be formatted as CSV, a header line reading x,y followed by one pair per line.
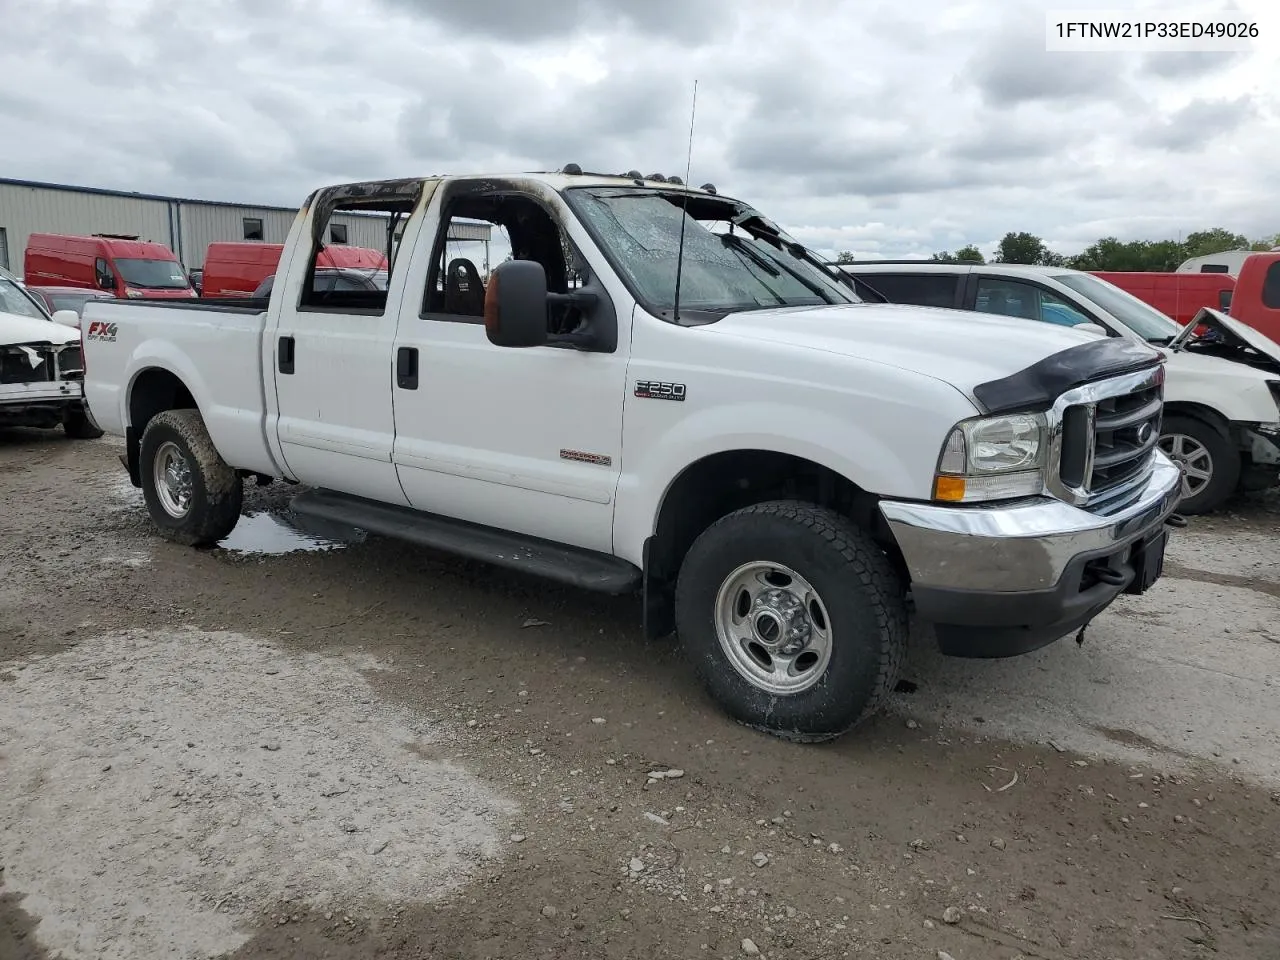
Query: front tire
x,y
193,496
80,425
1209,462
793,618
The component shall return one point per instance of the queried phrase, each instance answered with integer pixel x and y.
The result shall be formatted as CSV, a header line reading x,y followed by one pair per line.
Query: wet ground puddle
x,y
275,532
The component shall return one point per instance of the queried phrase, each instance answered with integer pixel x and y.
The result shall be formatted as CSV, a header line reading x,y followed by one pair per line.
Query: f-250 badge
x,y
105,332
657,390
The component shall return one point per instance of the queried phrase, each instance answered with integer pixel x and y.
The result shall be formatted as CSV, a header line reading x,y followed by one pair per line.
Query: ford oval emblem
x,y
1144,434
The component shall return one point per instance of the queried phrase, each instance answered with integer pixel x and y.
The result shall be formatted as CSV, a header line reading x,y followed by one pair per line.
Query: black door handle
x,y
407,368
284,354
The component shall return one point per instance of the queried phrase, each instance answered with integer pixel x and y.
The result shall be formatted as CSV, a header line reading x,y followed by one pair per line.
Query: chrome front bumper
x,y
1005,579
1026,546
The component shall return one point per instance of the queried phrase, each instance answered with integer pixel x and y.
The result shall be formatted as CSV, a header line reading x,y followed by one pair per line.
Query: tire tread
x,y
223,489
882,591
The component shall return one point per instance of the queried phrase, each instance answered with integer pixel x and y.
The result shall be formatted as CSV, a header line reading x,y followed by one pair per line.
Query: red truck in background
x,y
235,269
1179,296
124,267
1256,302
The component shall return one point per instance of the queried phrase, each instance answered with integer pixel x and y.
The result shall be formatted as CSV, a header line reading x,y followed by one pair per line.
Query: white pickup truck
x,y
662,392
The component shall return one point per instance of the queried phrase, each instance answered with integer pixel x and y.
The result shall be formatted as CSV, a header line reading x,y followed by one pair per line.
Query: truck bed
x,y
138,352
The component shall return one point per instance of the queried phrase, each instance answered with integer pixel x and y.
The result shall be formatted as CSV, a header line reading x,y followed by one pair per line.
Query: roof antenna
x,y
684,208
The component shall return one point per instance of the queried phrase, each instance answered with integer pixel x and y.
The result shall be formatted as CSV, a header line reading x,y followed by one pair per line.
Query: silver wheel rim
x,y
172,474
773,627
1193,459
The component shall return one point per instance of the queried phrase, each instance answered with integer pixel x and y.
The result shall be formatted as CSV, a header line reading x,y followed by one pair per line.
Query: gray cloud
x,y
1200,125
521,21
1011,66
1186,64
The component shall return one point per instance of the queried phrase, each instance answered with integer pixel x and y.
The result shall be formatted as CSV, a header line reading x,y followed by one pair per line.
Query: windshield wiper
x,y
737,243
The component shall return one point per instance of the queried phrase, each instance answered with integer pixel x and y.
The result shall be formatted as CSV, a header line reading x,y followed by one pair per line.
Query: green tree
x,y
1201,243
1135,255
1027,248
966,254
845,256
1020,248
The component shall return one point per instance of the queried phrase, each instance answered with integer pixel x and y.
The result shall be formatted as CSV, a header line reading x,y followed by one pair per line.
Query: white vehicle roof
x,y
1227,261
934,266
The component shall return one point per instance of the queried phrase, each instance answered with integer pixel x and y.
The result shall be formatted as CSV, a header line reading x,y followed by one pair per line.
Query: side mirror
x,y
1092,328
68,318
515,305
106,283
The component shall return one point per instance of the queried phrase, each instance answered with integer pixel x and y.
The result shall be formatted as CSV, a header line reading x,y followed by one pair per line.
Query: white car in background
x,y
41,365
1222,391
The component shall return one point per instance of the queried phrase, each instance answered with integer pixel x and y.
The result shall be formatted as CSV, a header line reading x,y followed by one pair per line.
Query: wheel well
x,y
718,485
154,391
1198,411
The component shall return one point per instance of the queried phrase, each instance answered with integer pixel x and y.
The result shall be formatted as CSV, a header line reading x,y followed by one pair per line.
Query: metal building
x,y
186,226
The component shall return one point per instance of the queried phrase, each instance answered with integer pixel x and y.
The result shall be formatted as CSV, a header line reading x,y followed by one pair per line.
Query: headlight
x,y
992,458
132,293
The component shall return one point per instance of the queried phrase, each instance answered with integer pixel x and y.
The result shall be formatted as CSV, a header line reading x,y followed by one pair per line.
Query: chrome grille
x,y
1106,437
1125,431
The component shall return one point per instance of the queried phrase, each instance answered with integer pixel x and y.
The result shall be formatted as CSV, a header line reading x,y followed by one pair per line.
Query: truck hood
x,y
1234,332
958,347
15,329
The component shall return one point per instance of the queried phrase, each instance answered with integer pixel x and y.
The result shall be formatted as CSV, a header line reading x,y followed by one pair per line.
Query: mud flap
x,y
129,458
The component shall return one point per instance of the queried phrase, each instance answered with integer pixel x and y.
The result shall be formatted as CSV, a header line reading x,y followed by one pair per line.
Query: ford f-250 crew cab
x,y
662,392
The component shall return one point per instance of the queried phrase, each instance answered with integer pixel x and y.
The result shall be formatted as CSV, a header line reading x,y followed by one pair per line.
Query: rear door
x,y
922,289
1020,297
331,355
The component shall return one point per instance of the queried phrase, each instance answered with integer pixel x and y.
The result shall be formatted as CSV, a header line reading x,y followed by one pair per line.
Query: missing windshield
x,y
733,259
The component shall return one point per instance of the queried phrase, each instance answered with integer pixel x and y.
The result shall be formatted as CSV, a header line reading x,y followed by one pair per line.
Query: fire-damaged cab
x,y
41,367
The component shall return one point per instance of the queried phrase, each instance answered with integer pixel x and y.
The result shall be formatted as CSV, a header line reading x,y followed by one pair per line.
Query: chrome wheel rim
x,y
1193,459
773,627
172,474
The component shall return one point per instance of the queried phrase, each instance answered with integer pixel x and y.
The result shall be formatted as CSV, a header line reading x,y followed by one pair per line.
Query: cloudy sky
x,y
887,128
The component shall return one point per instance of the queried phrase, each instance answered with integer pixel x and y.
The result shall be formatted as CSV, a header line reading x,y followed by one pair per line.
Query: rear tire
x,y
1209,461
193,496
793,618
80,425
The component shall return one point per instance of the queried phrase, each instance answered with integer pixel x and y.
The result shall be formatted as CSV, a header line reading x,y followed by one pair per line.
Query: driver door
x,y
527,440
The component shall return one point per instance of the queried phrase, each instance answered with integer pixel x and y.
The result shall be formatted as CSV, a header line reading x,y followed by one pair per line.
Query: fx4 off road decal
x,y
104,332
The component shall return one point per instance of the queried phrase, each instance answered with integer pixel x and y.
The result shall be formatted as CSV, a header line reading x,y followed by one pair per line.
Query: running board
x,y
544,558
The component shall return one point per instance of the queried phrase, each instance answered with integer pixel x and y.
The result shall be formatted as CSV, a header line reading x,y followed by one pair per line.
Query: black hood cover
x,y
1036,387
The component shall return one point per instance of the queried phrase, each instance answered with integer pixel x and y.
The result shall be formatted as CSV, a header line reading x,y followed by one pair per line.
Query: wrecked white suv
x,y
41,366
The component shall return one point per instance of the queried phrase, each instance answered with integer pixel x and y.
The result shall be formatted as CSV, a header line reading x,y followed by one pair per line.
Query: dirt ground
x,y
367,750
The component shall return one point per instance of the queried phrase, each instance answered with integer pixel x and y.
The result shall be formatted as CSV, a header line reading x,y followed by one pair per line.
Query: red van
x,y
125,268
235,269
1256,302
1178,296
